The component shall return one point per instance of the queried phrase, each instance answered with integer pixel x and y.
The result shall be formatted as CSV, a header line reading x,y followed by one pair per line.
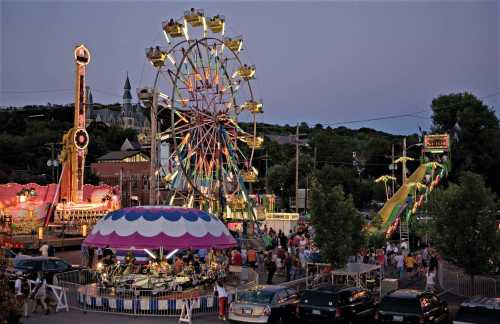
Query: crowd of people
x,y
397,260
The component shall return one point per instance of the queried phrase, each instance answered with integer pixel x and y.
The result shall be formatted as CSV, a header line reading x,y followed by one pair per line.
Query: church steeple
x,y
127,97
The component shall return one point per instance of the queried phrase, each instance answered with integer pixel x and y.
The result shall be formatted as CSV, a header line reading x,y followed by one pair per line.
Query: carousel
x,y
171,238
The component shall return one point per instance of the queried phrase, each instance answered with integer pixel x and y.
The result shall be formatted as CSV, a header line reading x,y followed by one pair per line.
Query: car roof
x,y
482,302
333,288
405,293
268,288
35,258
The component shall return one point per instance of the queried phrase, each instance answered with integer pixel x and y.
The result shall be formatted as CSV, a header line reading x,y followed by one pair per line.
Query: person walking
x,y
222,297
430,280
44,250
252,257
40,293
399,259
21,290
270,267
288,266
410,264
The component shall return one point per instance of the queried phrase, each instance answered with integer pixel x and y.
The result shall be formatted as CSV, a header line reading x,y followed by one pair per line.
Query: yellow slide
x,y
392,206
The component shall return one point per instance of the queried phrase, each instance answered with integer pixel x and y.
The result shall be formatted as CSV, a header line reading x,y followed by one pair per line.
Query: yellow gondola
x,y
173,29
249,176
216,24
194,17
236,203
246,72
156,56
253,106
145,95
253,142
234,44
256,143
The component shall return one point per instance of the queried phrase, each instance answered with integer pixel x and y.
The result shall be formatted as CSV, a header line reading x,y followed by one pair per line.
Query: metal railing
x,y
85,292
454,280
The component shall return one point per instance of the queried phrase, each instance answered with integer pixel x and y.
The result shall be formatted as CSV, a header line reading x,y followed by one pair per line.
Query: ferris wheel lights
x,y
234,44
246,72
163,96
216,24
171,58
166,36
194,17
184,102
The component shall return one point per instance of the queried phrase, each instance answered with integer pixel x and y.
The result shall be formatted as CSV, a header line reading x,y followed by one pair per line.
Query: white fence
x,y
85,292
454,280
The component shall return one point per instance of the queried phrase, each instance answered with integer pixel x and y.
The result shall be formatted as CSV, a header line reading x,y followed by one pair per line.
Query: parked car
x,y
264,304
480,310
337,304
412,306
30,266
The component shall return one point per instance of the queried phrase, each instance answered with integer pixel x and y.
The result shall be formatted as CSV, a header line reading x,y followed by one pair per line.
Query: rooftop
x,y
118,155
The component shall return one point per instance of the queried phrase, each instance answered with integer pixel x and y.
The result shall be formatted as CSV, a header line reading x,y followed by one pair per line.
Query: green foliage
x,y
24,142
375,240
337,223
476,140
464,222
278,176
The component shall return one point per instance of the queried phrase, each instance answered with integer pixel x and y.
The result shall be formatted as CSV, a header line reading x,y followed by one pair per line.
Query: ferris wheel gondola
x,y
206,86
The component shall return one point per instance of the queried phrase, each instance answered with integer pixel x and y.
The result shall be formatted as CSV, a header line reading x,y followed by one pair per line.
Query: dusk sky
x,y
319,62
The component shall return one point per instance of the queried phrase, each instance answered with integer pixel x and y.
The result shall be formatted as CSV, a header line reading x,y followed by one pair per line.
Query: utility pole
x,y
53,159
297,170
392,169
404,161
152,169
266,158
315,155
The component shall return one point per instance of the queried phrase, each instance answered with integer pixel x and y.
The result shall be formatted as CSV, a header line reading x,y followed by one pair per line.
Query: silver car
x,y
264,304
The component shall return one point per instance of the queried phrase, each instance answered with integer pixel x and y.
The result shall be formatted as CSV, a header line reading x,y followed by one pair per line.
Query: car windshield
x,y
318,298
478,315
28,264
255,296
400,305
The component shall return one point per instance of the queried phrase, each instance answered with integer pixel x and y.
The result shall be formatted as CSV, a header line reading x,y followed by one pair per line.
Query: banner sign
x,y
440,142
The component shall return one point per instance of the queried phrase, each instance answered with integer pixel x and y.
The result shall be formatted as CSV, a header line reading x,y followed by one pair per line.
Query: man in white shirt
x,y
44,249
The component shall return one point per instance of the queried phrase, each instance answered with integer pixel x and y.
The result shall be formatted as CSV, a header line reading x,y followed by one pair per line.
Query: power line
x,y
34,91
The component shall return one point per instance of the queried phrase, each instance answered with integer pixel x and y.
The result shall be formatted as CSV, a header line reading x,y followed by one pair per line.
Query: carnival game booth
x,y
158,286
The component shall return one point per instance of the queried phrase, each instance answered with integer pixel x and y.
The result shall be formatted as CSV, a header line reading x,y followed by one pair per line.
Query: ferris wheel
x,y
203,81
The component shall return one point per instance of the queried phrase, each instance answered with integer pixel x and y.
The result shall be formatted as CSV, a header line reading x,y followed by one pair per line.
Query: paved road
x,y
78,317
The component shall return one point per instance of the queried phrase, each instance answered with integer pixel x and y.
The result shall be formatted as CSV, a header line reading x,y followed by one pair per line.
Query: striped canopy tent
x,y
154,227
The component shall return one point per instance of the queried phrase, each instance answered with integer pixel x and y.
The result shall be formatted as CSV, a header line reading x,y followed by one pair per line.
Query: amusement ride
x,y
201,92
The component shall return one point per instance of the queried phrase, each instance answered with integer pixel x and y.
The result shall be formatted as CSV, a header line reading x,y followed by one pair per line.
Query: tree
x,y
463,226
475,132
336,222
